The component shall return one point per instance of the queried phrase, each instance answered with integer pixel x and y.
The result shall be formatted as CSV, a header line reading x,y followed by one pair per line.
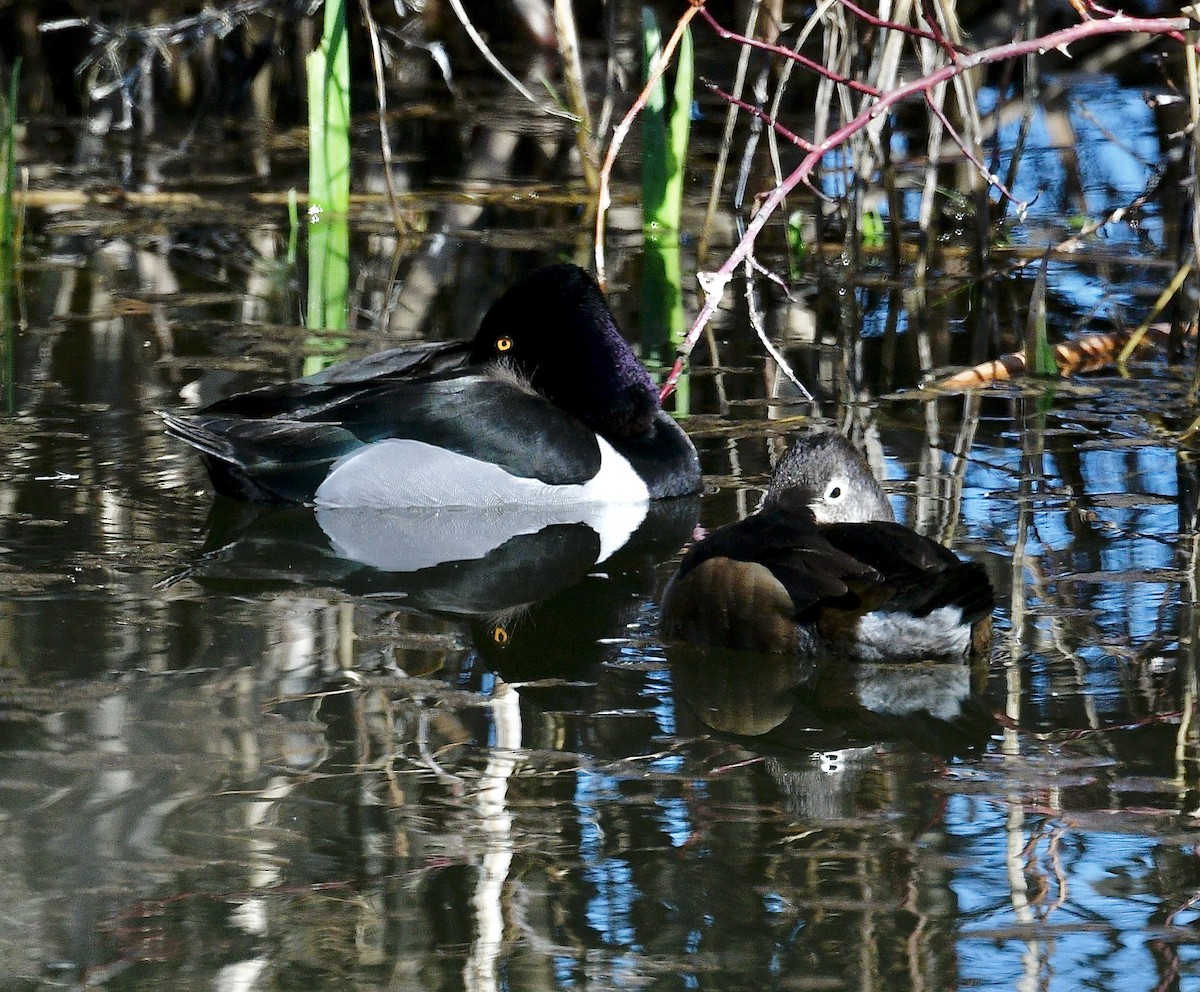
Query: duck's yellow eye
x,y
499,634
504,343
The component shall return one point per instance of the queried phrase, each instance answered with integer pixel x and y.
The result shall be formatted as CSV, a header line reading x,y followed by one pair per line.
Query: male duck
x,y
823,570
547,406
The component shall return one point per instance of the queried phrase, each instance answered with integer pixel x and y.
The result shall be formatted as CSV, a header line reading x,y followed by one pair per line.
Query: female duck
x,y
823,569
547,406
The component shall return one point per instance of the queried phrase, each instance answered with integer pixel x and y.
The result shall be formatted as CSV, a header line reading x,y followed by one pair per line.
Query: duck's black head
x,y
826,474
557,331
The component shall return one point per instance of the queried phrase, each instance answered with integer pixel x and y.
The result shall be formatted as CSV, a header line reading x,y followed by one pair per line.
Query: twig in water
x,y
1085,354
756,322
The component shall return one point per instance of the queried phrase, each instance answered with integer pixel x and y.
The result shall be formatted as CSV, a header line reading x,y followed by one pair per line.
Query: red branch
x,y
1118,24
787,53
879,22
935,29
988,177
761,115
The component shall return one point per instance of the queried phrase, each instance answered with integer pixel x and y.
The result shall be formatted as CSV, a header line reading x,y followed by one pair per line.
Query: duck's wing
x,y
794,549
310,397
423,358
889,547
264,461
491,419
916,575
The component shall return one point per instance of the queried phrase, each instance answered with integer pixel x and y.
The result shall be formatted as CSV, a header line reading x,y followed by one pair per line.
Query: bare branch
x,y
879,22
990,178
760,114
963,62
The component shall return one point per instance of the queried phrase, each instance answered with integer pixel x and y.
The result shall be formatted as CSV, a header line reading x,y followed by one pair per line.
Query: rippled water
x,y
235,753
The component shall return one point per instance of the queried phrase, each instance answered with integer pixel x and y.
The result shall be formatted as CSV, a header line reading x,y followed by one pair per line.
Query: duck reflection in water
x,y
459,566
820,617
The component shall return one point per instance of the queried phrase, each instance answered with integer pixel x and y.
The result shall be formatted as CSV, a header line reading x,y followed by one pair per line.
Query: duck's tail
x,y
266,461
965,586
196,432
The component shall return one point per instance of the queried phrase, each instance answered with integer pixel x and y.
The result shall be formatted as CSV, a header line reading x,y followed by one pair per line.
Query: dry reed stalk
x,y
1085,354
1193,81
385,144
568,48
718,179
1135,339
961,63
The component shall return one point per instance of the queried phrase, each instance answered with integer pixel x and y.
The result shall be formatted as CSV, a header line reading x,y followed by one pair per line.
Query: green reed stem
x,y
10,247
293,226
329,115
329,184
8,171
665,132
1039,356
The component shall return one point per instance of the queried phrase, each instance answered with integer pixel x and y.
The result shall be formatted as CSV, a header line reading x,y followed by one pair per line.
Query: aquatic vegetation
x,y
882,187
878,93
329,116
665,130
1039,356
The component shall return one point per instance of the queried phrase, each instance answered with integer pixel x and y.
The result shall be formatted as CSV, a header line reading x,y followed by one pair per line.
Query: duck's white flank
x,y
399,473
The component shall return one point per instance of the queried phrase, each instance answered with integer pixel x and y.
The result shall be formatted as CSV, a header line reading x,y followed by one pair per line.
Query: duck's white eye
x,y
834,492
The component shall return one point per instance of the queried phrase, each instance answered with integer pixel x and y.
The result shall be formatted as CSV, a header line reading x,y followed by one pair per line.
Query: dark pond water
x,y
235,753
